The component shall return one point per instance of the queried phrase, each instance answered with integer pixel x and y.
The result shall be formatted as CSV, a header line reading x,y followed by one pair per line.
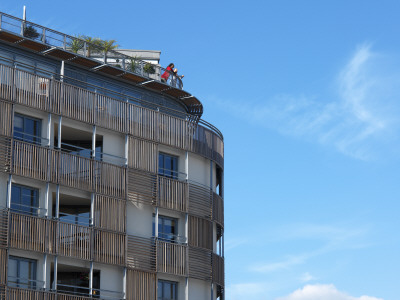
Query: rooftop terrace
x,y
77,51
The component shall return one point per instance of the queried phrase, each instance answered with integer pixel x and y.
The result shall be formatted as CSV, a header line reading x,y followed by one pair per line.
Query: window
x,y
168,165
22,272
24,199
167,290
27,129
167,228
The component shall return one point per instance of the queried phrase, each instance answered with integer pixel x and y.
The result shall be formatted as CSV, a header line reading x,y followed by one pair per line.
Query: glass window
x,y
22,272
168,165
27,129
166,290
167,228
24,199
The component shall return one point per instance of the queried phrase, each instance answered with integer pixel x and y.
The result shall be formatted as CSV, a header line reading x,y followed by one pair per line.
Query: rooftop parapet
x,y
77,51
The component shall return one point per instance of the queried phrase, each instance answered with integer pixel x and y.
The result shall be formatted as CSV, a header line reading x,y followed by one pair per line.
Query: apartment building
x,y
111,184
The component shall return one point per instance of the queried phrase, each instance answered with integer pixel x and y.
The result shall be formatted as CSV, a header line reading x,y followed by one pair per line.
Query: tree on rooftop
x,y
107,46
93,44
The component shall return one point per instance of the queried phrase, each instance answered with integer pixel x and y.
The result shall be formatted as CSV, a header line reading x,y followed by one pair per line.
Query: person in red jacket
x,y
168,71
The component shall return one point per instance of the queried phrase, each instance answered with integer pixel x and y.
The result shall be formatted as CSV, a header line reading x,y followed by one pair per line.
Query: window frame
x,y
32,284
35,138
164,236
34,209
162,296
168,172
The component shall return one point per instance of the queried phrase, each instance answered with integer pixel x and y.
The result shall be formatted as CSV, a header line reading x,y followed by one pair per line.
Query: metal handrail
x,y
63,38
117,295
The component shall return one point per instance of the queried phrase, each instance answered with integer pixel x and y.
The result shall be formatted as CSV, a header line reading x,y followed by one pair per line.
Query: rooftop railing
x,y
81,47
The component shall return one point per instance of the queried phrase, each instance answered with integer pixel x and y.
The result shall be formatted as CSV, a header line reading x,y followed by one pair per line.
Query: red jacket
x,y
166,74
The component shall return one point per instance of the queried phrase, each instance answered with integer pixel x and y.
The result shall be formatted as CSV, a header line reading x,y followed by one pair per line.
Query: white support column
x,y
55,273
94,142
187,289
126,149
62,70
124,283
92,209
57,212
212,291
46,201
223,233
48,130
59,133
156,223
45,271
187,165
91,279
211,175
9,183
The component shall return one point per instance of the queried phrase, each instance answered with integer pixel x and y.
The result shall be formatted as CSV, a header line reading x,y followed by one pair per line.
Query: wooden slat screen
x,y
141,186
143,155
110,113
5,154
77,103
218,150
6,82
30,160
174,131
218,209
32,90
172,194
109,213
74,240
200,201
5,118
200,263
110,179
3,227
202,141
143,122
28,232
200,233
61,296
140,285
218,270
20,293
3,266
141,253
172,258
109,247
75,171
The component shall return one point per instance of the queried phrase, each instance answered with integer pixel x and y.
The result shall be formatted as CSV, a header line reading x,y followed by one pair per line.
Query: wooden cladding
x,y
5,118
74,240
109,213
140,285
3,266
142,187
172,194
141,253
200,233
5,154
200,201
110,179
218,269
3,228
143,155
109,247
200,264
90,107
28,233
172,258
19,293
218,209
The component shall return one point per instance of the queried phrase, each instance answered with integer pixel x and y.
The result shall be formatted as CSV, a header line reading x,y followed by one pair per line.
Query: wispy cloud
x,y
306,277
331,238
359,117
322,292
248,290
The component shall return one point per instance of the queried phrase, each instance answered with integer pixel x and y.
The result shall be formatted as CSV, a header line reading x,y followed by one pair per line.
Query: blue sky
x,y
307,96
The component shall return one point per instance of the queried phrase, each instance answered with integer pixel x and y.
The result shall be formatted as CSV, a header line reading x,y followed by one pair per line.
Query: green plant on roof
x,y
107,46
76,44
31,32
133,64
93,45
149,68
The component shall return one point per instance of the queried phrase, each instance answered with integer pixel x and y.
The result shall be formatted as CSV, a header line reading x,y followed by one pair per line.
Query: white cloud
x,y
307,277
322,292
359,119
250,290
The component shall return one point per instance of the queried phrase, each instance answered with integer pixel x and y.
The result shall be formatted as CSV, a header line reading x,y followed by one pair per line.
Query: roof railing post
x,y
44,35
1,19
84,49
123,63
65,42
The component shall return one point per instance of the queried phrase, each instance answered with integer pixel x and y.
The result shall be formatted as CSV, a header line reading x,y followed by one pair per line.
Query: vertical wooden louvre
x,y
3,266
172,258
109,213
218,209
200,233
3,228
140,285
172,194
5,118
142,155
109,247
74,240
